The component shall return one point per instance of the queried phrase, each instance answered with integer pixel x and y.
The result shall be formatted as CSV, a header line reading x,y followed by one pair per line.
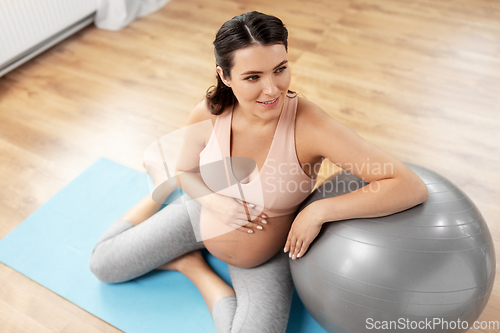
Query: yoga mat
x,y
53,246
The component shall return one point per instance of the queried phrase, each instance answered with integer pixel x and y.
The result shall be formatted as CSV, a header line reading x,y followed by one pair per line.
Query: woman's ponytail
x,y
219,97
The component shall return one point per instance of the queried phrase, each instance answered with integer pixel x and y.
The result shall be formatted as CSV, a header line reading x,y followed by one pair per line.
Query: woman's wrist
x,y
317,212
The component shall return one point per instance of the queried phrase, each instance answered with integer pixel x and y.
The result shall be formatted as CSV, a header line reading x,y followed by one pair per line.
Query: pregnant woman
x,y
247,217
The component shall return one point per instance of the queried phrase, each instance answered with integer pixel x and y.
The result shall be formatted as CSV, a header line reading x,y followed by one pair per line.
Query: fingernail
x,y
289,255
264,221
264,216
259,227
250,231
293,257
284,250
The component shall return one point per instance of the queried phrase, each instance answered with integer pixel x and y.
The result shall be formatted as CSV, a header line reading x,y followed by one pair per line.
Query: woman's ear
x,y
221,74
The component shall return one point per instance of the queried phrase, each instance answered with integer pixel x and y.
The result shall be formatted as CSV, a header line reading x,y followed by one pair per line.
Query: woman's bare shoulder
x,y
309,113
201,112
314,126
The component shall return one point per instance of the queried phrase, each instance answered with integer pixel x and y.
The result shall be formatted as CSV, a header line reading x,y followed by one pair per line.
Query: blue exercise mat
x,y
53,246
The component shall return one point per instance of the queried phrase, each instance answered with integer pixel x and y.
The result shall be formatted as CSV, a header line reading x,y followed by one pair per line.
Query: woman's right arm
x,y
198,128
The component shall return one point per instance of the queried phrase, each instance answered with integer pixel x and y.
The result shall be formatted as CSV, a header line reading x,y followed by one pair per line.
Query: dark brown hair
x,y
237,33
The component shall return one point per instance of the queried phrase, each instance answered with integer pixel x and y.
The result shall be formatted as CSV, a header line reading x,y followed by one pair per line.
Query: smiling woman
x,y
260,91
246,221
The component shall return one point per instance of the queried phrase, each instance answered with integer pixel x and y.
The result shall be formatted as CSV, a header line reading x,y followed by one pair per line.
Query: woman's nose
x,y
270,87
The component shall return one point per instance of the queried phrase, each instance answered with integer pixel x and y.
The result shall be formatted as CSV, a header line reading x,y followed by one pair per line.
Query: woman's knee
x,y
102,269
96,267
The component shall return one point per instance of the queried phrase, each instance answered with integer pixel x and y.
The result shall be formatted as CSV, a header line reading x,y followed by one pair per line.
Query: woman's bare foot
x,y
188,260
194,266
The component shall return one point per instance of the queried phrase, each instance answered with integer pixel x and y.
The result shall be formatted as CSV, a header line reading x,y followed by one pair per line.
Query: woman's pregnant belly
x,y
240,248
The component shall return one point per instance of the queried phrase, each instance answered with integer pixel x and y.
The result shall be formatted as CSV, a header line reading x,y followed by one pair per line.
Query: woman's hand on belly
x,y
243,249
242,217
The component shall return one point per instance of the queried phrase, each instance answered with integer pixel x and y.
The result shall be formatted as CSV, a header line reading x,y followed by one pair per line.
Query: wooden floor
x,y
418,78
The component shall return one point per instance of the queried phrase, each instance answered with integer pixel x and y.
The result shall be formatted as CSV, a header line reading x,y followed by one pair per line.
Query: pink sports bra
x,y
279,187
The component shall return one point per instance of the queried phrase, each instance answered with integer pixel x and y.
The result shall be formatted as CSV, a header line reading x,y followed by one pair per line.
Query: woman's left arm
x,y
392,187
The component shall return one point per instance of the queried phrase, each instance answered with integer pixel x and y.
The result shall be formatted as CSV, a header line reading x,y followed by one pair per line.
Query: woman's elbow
x,y
419,190
424,193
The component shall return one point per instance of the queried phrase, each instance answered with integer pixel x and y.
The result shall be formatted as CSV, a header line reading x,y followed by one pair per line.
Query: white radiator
x,y
29,27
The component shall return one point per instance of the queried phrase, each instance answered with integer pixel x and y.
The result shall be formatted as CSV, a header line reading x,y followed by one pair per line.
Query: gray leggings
x,y
263,293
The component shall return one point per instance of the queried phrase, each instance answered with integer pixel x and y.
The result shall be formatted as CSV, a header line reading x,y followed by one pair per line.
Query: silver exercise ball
x,y
430,268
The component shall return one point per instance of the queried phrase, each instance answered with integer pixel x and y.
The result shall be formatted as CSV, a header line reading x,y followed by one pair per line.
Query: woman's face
x,y
260,78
